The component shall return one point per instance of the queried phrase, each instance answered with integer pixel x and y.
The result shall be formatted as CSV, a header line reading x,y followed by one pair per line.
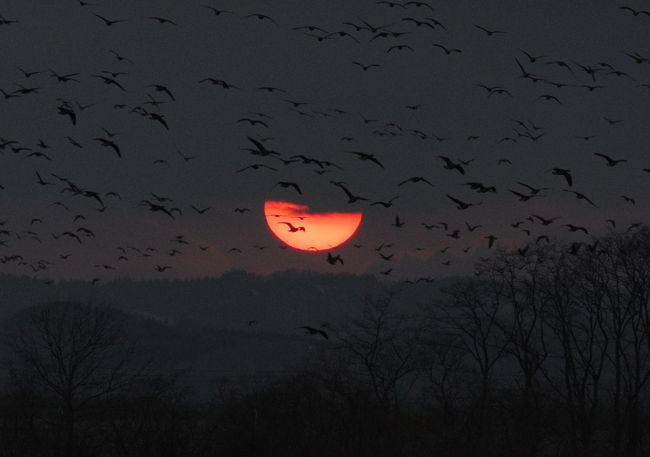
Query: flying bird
x,y
576,228
289,185
387,204
216,11
580,196
256,166
120,57
610,162
292,228
451,165
564,173
200,210
447,50
163,89
491,239
366,67
351,197
634,12
531,58
366,156
108,143
416,179
261,17
400,47
109,22
315,331
161,20
260,149
488,31
333,259
253,122
461,204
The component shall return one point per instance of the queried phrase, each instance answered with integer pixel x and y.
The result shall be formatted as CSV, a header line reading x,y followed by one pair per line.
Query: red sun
x,y
301,229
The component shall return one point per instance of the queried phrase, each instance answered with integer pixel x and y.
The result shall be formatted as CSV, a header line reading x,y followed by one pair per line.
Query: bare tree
x,y
447,379
74,354
576,337
623,281
472,311
514,278
386,348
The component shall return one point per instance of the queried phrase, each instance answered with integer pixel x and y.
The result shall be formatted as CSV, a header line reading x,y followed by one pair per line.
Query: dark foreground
x,y
544,352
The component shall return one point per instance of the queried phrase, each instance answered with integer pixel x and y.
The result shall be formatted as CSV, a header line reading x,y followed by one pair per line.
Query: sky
x,y
588,94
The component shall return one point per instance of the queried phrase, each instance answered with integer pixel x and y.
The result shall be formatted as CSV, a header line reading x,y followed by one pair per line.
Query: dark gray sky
x,y
66,37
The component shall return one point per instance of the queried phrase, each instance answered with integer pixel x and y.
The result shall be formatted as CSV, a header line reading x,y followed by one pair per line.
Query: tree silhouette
x,y
74,355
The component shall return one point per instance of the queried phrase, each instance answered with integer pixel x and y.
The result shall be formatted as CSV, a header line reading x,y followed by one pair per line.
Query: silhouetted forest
x,y
545,351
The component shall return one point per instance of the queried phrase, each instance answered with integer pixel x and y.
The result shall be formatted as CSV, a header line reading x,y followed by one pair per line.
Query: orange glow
x,y
300,229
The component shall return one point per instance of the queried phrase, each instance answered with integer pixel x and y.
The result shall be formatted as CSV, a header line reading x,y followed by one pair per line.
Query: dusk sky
x,y
162,104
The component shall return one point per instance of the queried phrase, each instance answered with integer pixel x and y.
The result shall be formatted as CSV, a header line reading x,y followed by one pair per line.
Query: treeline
x,y
545,351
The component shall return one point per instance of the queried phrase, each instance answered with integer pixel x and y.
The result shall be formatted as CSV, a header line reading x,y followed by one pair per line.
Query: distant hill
x,y
237,325
277,303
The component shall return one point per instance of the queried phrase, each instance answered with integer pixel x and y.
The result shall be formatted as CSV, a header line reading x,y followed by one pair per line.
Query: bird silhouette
x,y
289,185
315,331
531,58
447,50
163,89
488,31
634,12
292,228
253,122
522,197
576,228
526,74
366,156
120,57
461,204
217,11
414,180
334,259
351,197
218,82
161,20
531,189
67,110
549,97
400,47
261,17
610,162
491,239
366,67
398,222
564,173
256,166
545,221
261,150
580,196
201,210
387,204
628,199
108,143
109,22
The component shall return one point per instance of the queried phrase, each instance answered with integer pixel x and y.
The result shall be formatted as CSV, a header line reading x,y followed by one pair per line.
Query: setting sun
x,y
296,226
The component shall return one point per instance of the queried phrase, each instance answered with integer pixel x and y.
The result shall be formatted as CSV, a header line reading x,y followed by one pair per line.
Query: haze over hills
x,y
277,302
238,324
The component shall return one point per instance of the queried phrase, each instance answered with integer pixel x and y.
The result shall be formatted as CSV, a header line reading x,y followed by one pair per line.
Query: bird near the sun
x,y
291,227
318,231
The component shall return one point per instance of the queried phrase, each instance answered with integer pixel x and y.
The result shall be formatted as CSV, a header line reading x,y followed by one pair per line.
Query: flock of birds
x,y
58,212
